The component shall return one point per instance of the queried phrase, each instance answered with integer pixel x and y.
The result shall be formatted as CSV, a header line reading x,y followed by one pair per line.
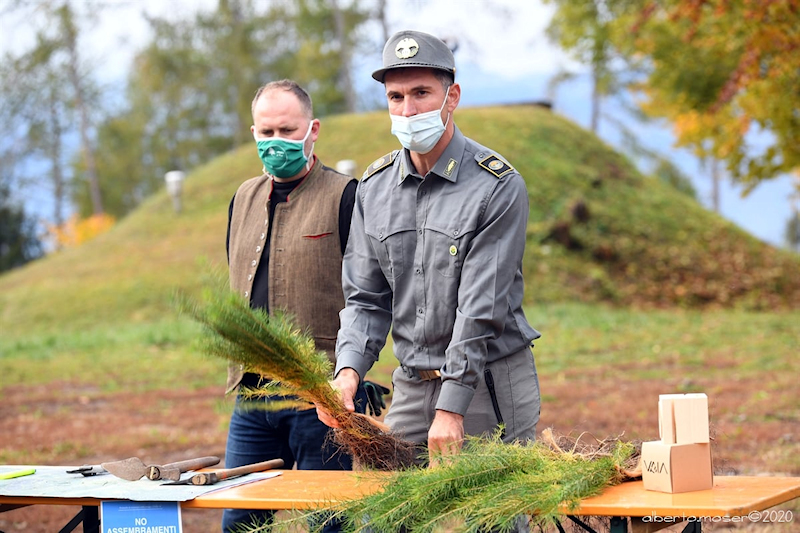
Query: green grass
x,y
720,344
588,337
136,357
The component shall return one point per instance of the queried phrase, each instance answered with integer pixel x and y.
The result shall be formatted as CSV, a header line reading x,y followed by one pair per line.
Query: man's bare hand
x,y
346,383
445,436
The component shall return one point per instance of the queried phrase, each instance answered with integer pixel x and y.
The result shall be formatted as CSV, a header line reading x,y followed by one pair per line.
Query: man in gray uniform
x,y
435,252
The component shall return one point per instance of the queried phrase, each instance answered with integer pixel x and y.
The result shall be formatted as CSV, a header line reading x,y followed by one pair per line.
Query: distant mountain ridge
x,y
598,231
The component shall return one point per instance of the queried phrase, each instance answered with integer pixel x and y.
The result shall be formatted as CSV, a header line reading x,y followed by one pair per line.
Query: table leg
x,y
11,506
640,526
582,524
619,524
91,519
694,526
89,516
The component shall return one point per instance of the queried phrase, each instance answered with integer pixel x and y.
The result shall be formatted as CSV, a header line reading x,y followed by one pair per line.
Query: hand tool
x,y
133,468
209,478
17,473
173,471
88,470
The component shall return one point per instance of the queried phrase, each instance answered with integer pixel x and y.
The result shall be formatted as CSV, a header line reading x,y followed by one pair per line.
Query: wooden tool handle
x,y
173,470
248,469
193,464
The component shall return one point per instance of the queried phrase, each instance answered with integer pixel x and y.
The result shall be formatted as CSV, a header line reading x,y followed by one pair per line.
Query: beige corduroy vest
x,y
305,257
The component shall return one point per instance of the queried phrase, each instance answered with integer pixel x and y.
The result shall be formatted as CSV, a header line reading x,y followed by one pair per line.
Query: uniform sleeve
x,y
367,315
490,267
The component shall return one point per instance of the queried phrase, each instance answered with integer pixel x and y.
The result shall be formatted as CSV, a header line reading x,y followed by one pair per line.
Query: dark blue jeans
x,y
297,437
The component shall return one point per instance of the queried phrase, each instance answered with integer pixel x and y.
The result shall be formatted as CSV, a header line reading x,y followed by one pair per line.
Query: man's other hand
x,y
445,436
375,393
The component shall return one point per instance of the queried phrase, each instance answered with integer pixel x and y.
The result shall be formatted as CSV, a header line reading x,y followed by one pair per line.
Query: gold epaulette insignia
x,y
380,164
495,165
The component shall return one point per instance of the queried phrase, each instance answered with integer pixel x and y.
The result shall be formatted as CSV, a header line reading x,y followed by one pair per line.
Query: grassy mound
x,y
598,232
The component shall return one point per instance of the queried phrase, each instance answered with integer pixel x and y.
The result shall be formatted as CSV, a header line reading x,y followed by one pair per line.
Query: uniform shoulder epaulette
x,y
493,164
380,164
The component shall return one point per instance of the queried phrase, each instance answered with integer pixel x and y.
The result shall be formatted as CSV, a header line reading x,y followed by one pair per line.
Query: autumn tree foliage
x,y
725,72
76,231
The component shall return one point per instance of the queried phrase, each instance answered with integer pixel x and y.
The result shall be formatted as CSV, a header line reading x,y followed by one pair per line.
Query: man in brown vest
x,y
287,231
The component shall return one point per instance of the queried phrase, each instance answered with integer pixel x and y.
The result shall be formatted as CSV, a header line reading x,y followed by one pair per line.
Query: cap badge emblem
x,y
406,48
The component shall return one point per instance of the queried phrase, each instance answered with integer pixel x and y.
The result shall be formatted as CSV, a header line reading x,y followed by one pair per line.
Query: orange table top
x,y
293,489
731,495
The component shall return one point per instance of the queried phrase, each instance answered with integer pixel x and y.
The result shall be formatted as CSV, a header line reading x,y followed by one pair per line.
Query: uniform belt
x,y
424,375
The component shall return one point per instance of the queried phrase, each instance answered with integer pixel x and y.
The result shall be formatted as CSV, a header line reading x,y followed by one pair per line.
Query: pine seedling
x,y
274,347
489,486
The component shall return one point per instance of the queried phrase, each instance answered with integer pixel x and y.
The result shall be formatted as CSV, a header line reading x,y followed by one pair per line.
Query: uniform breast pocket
x,y
390,250
447,247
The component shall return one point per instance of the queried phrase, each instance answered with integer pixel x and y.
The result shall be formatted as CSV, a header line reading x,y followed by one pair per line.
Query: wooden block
x,y
691,419
666,417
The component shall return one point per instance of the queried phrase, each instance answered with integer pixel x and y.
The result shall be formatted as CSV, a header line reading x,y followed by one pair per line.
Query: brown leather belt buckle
x,y
428,375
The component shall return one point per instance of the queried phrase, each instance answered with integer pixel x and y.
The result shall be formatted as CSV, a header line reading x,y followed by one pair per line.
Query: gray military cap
x,y
410,48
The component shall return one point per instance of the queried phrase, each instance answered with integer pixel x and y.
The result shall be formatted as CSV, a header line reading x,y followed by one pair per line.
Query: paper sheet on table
x,y
54,482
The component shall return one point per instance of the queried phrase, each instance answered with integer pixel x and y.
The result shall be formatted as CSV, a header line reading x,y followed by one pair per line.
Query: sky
x,y
503,57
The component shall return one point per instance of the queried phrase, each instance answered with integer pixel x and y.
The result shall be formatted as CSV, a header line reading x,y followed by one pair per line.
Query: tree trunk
x,y
73,68
240,130
381,15
57,175
715,177
345,75
595,119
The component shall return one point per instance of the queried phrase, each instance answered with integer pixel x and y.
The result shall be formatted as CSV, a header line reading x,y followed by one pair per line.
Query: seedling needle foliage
x,y
296,373
489,486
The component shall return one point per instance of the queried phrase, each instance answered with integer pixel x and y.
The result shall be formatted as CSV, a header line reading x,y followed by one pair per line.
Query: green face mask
x,y
283,158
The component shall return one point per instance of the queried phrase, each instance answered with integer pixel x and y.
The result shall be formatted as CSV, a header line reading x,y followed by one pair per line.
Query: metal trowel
x,y
133,468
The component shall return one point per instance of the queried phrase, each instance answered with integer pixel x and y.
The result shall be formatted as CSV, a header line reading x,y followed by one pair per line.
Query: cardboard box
x,y
676,467
683,418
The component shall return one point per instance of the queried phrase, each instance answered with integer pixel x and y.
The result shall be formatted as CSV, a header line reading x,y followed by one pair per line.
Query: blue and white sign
x,y
140,517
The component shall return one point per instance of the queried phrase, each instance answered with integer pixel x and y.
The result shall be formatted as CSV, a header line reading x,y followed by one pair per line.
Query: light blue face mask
x,y
420,133
284,158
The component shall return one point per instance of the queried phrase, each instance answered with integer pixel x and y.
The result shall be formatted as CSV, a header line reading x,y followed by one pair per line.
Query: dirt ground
x,y
74,426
